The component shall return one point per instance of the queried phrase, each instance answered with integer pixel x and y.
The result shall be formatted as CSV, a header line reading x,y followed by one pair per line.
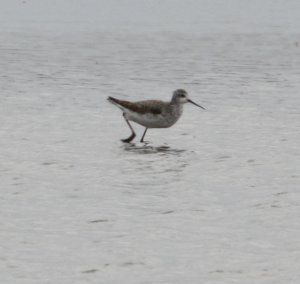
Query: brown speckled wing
x,y
151,106
142,107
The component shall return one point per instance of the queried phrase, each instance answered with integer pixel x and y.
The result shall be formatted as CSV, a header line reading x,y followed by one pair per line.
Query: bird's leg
x,y
142,140
131,137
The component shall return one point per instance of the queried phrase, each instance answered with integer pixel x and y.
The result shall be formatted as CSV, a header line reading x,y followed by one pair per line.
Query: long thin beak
x,y
190,101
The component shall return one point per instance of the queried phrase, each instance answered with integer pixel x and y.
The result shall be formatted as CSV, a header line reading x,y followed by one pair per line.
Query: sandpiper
x,y
153,113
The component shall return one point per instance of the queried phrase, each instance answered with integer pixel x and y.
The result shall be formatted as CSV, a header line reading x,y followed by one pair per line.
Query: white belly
x,y
150,120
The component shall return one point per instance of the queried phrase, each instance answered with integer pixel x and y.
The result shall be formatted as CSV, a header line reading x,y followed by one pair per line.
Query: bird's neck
x,y
176,107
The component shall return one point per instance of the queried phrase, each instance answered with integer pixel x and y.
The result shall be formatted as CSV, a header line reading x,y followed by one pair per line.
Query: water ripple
x,y
148,149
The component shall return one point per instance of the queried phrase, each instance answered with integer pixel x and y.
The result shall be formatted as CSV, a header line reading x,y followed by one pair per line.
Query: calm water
x,y
214,199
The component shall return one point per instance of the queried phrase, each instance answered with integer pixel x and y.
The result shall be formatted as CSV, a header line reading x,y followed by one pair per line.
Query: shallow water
x,y
213,199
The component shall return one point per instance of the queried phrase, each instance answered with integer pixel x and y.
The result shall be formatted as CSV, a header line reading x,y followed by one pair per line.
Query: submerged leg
x,y
142,140
131,137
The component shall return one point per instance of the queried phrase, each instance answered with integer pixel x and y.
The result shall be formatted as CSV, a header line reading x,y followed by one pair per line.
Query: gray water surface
x,y
213,199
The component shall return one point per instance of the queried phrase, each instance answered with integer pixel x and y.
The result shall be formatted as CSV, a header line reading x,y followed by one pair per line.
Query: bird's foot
x,y
129,139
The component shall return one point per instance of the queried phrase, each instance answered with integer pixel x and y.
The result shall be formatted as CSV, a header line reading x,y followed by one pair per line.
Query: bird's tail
x,y
115,102
112,100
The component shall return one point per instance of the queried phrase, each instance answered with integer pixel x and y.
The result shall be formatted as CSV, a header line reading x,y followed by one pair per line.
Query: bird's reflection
x,y
146,148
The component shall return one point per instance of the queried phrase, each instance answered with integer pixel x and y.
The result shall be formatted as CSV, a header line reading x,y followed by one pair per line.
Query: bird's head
x,y
181,96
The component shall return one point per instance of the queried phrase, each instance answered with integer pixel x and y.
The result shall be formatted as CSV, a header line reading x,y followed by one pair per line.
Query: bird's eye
x,y
182,95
